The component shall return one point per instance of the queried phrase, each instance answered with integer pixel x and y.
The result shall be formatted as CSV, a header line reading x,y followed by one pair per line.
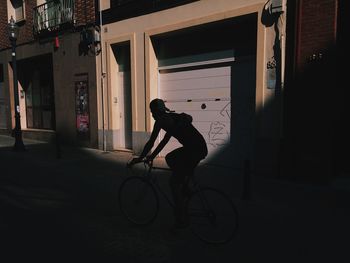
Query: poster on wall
x,y
82,109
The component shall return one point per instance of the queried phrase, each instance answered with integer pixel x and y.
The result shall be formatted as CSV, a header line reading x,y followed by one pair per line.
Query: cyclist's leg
x,y
183,163
176,160
176,184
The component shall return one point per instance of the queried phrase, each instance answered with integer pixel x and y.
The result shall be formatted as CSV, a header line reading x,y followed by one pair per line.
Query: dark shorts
x,y
183,161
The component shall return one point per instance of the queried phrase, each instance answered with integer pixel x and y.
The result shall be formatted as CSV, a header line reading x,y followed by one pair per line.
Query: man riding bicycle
x,y
183,160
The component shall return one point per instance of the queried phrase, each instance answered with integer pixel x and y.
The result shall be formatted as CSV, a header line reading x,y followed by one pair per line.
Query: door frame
x,y
109,101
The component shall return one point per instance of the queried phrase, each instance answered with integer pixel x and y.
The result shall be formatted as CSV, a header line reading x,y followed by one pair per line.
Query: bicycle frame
x,y
153,180
212,215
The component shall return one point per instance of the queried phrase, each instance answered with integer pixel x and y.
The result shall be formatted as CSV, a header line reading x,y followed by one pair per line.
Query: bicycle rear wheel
x,y
138,200
213,216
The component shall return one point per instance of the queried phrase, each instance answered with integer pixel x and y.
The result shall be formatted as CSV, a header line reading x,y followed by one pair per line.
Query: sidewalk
x,y
70,204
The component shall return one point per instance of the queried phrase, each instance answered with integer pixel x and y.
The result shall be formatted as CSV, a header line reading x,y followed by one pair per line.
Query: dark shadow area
x,y
316,133
316,141
78,175
65,209
52,209
212,40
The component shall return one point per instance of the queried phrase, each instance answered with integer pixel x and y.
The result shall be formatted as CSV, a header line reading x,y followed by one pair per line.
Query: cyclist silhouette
x,y
183,160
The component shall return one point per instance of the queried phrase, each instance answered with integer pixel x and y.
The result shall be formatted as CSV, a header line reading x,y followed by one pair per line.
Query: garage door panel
x,y
198,94
204,126
195,84
223,106
197,73
202,84
212,130
183,105
205,94
209,116
202,117
209,128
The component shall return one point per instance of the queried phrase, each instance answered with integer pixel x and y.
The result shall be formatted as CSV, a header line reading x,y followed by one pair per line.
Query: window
x,y
39,101
36,77
16,10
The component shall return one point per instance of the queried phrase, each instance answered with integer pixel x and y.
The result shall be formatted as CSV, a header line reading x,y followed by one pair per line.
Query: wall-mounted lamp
x,y
90,41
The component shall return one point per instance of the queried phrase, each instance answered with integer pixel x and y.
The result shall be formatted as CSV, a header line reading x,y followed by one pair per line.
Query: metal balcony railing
x,y
51,15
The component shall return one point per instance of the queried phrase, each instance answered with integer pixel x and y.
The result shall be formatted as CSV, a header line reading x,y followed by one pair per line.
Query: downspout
x,y
282,28
104,147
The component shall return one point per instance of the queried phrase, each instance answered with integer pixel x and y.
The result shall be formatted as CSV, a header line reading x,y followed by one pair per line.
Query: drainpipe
x,y
102,80
282,28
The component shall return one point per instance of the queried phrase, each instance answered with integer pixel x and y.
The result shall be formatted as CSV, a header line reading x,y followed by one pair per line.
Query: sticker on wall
x,y
271,73
82,109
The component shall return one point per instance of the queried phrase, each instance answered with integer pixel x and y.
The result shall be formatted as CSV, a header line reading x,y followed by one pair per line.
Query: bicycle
x,y
213,215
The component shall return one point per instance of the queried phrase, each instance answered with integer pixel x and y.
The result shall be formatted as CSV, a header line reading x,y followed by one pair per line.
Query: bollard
x,y
246,193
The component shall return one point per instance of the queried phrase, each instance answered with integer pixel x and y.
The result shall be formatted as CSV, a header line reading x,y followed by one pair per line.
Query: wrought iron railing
x,y
51,15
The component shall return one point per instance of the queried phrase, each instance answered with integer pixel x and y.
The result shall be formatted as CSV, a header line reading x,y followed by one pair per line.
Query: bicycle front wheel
x,y
138,200
213,216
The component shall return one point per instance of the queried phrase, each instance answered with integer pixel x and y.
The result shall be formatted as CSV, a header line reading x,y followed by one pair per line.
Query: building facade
x,y
220,62
55,69
243,69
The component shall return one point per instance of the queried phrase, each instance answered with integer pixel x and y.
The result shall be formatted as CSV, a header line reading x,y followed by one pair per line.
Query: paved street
x,y
64,210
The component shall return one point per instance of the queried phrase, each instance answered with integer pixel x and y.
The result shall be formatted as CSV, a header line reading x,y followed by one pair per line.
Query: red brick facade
x,y
316,28
26,31
3,24
26,28
84,14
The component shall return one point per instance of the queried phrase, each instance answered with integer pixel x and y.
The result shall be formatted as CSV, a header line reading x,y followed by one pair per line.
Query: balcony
x,y
52,16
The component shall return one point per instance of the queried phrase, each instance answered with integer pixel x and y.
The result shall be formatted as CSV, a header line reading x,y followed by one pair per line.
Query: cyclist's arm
x,y
160,146
148,146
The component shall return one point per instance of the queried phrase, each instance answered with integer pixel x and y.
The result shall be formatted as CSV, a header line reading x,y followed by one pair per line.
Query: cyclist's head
x,y
157,107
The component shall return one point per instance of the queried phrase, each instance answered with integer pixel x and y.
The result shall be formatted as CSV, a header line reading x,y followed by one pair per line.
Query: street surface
x,y
65,210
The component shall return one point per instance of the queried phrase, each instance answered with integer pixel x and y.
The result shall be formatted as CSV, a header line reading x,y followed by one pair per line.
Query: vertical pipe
x,y
104,146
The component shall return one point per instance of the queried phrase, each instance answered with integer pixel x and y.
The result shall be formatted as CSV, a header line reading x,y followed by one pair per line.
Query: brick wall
x,y
26,30
3,24
317,28
85,14
26,27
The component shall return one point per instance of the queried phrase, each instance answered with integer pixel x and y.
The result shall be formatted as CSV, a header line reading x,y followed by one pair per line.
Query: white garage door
x,y
205,94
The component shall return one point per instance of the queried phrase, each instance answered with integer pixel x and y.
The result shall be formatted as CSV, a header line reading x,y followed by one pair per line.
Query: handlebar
x,y
146,162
